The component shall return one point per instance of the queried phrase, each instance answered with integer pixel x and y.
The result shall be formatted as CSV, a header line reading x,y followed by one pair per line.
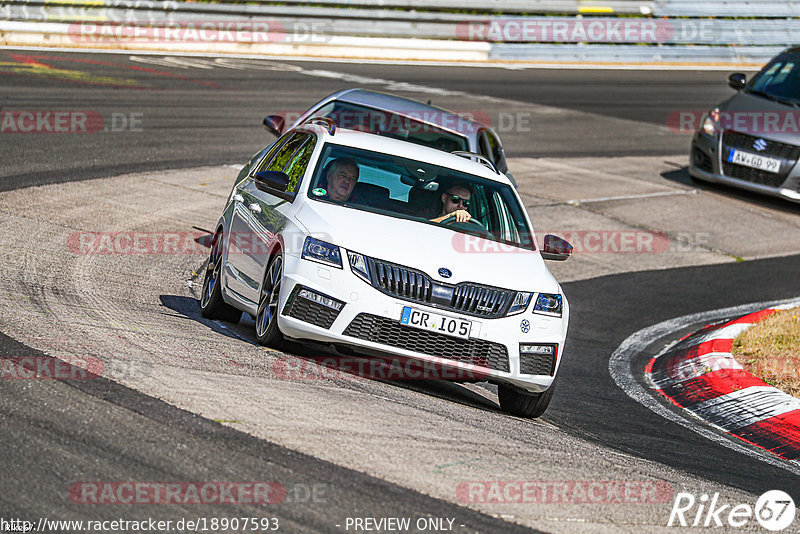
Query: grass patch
x,y
771,350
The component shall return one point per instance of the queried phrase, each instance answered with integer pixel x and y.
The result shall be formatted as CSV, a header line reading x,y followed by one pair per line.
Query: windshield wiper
x,y
768,96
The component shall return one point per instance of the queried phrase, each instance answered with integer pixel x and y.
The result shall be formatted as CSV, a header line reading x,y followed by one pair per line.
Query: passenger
x,y
342,176
455,202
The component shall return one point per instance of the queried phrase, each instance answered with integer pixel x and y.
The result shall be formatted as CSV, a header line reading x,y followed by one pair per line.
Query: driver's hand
x,y
461,215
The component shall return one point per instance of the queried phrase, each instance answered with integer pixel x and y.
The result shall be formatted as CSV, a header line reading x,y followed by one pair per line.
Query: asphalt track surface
x,y
206,116
61,431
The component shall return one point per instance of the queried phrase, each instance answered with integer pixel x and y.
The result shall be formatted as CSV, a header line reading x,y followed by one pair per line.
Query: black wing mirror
x,y
274,124
556,248
271,181
737,81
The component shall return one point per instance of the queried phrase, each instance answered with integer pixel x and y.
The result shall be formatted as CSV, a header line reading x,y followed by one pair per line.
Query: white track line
x,y
619,365
634,197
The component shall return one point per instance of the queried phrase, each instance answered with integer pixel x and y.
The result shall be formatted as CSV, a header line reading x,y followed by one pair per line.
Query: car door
x,y
259,216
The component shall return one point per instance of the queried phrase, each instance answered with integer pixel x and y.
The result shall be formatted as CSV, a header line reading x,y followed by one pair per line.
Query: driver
x,y
342,177
455,202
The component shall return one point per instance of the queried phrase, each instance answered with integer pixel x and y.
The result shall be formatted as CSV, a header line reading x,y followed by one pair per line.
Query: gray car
x,y
406,119
752,140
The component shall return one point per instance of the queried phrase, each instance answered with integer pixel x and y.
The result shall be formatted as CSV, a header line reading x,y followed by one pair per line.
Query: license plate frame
x,y
754,161
439,323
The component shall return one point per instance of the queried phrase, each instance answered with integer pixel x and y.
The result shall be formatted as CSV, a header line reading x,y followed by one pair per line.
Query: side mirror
x,y
737,81
271,181
556,248
274,124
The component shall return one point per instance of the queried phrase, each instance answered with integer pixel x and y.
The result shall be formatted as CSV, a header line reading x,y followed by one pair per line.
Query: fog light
x,y
320,299
543,350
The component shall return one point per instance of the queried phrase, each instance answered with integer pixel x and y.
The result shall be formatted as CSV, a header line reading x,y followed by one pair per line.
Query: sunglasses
x,y
458,200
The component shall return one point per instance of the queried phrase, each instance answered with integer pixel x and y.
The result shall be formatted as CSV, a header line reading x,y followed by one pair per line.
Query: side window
x,y
284,155
483,145
508,231
292,158
496,149
258,166
296,167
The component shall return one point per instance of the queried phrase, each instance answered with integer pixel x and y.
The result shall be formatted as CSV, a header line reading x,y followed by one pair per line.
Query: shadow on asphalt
x,y
319,359
681,176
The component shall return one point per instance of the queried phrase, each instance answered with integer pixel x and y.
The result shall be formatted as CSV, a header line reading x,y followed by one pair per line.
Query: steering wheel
x,y
469,225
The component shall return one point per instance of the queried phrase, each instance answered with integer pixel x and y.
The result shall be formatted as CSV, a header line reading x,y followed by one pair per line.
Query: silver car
x,y
752,140
403,118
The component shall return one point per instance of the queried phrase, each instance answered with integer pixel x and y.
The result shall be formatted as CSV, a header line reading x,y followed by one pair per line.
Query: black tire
x,y
212,306
267,331
528,405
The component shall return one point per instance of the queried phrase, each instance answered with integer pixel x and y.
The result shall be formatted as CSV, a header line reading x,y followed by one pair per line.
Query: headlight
x,y
548,304
711,123
520,304
359,266
316,250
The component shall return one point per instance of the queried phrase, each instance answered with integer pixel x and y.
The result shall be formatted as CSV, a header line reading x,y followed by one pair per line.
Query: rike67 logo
x,y
774,510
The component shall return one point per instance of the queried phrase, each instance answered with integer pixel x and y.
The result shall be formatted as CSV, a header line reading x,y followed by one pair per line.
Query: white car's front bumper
x,y
494,350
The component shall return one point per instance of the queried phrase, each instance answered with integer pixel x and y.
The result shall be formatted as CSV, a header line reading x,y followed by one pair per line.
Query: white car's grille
x,y
415,286
478,352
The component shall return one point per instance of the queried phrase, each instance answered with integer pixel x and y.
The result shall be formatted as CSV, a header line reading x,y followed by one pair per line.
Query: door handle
x,y
238,198
255,208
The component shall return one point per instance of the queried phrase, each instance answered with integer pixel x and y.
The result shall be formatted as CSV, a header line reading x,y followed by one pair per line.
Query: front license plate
x,y
434,322
754,160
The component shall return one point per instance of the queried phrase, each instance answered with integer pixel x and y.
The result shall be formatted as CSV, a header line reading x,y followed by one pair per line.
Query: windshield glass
x,y
408,189
362,118
779,80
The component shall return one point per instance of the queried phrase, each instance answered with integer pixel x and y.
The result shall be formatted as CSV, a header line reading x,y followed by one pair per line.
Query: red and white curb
x,y
699,374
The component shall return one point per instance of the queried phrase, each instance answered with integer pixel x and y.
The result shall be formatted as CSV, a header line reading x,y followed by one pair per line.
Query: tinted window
x,y
291,158
780,79
412,128
296,167
496,149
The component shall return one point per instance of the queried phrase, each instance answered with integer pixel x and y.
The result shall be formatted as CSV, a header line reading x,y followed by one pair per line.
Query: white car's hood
x,y
428,248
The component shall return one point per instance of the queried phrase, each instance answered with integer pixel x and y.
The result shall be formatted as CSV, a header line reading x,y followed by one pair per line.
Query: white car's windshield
x,y
409,189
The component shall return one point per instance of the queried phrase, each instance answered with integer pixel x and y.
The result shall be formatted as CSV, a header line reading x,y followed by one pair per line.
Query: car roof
x,y
407,107
388,145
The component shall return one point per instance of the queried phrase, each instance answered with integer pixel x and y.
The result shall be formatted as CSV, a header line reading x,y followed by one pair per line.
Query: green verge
x,y
771,350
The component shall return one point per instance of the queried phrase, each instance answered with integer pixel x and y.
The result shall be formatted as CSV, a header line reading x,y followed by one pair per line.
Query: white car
x,y
373,267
